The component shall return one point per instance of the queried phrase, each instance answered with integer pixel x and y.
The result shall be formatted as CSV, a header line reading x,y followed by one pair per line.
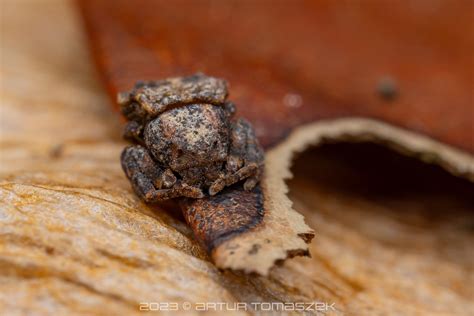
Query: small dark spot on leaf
x,y
387,88
254,250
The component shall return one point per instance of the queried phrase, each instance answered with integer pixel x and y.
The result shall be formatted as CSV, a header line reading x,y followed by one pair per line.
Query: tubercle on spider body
x,y
186,141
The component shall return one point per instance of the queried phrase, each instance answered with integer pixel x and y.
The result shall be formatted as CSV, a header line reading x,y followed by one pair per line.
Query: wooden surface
x,y
394,237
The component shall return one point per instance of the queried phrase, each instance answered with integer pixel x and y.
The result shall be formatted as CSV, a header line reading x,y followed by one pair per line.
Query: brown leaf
x,y
295,65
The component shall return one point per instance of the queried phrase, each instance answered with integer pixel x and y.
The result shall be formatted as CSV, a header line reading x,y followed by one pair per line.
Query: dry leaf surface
x,y
75,239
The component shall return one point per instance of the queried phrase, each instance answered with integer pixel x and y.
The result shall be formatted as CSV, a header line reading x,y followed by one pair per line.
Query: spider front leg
x,y
245,160
150,181
133,132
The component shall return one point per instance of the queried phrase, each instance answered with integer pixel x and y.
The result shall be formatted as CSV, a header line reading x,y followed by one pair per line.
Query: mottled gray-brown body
x,y
186,141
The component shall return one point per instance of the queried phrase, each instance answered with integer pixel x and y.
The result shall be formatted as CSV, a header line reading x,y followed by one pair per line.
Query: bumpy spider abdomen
x,y
189,136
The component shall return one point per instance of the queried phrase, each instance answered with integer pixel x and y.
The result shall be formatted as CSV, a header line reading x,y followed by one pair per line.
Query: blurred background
x,y
293,62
